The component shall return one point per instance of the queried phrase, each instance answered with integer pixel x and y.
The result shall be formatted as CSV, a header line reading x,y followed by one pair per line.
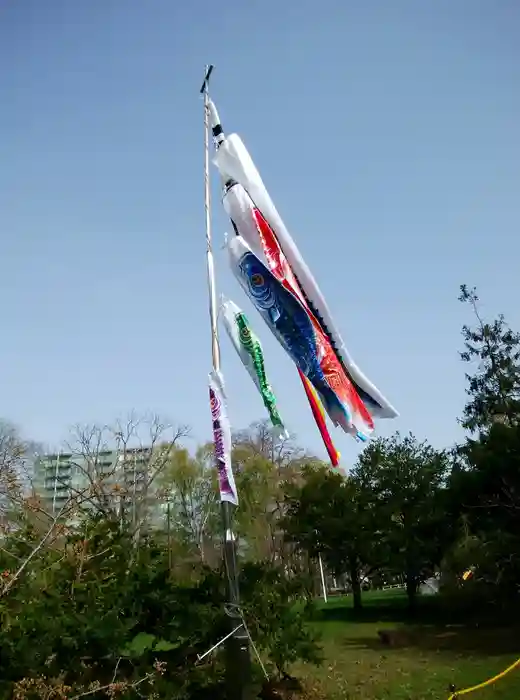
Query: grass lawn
x,y
420,664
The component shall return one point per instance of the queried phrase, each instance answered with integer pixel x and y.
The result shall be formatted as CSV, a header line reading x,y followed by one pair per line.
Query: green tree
x,y
326,515
486,493
484,485
263,467
494,387
188,487
403,482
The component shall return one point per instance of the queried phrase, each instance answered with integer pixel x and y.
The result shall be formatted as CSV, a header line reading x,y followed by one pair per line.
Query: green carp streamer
x,y
253,348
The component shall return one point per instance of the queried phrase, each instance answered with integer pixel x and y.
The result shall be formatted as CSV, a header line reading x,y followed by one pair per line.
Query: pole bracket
x,y
209,71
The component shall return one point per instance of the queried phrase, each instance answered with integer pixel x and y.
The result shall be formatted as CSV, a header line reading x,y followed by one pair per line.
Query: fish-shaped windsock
x,y
319,417
301,337
222,439
256,219
248,221
250,351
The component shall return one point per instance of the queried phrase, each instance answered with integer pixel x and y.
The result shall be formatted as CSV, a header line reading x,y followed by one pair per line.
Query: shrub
x,y
102,613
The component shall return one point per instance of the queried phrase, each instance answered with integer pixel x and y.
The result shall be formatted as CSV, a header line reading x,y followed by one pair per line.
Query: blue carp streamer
x,y
289,322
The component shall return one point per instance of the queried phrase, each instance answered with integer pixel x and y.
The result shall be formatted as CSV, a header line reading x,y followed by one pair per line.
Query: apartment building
x,y
120,479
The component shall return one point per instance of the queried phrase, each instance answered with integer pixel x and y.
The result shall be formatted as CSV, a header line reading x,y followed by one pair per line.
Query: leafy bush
x,y
101,613
277,615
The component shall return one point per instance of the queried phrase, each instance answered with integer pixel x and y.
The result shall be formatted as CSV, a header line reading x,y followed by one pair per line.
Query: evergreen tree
x,y
494,388
485,483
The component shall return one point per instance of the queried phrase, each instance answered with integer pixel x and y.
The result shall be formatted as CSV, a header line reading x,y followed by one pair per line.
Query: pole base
x,y
238,667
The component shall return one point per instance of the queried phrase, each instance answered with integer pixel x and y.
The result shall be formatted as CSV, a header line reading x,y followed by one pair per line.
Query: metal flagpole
x,y
238,661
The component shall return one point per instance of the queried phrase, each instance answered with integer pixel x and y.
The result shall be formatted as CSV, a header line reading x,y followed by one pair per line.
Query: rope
x,y
484,684
230,610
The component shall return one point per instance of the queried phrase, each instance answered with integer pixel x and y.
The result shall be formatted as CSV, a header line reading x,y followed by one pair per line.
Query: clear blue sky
x,y
386,132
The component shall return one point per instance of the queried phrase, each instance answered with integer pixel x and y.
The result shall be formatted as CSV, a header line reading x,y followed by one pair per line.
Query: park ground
x,y
424,659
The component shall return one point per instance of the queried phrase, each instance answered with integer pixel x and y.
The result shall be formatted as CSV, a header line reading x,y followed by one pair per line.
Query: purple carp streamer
x,y
222,439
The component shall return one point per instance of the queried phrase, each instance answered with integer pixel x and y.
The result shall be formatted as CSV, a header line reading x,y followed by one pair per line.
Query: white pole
x,y
238,661
215,350
323,586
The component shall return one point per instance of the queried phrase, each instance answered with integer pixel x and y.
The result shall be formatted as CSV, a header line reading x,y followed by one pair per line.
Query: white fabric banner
x,y
222,439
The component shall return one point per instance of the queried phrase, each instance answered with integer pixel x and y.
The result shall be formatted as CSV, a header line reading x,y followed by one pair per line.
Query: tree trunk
x,y
355,583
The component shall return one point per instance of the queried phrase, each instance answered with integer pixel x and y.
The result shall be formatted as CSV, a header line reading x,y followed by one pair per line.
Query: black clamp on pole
x,y
204,87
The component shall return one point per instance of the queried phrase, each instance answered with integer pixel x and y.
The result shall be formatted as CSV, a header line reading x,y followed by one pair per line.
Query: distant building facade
x,y
109,478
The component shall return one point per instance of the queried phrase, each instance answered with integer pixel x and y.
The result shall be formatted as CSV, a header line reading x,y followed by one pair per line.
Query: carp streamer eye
x,y
257,279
